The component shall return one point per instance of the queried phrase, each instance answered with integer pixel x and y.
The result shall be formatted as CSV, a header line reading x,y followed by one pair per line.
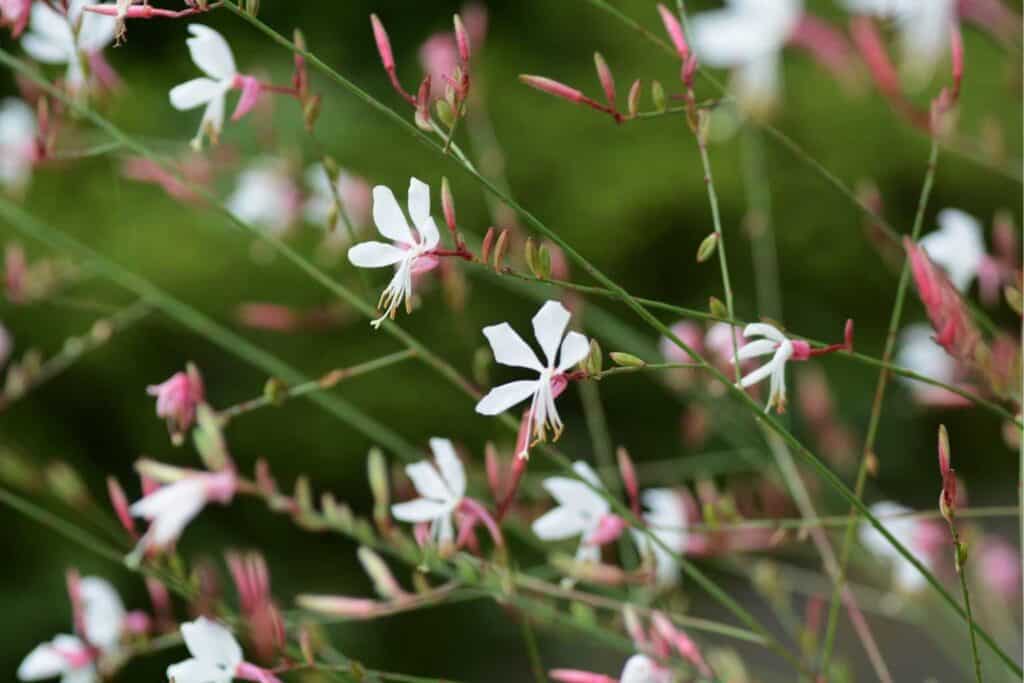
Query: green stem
x,y
960,551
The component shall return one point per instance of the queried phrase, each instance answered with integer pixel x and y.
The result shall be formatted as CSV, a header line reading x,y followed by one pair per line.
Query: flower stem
x,y
960,554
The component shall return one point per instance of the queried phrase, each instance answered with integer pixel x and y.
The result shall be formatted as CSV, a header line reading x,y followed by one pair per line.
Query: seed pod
x,y
707,247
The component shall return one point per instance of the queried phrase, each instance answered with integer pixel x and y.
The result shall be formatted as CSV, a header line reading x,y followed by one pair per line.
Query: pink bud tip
x,y
604,74
957,53
629,479
383,44
340,605
462,40
119,501
251,90
675,31
848,335
552,87
577,676
943,450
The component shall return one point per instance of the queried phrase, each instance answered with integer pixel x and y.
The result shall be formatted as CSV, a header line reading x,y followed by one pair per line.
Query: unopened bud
x,y
552,87
311,111
66,485
380,574
377,471
448,205
543,262
380,36
119,501
658,96
626,359
629,479
485,248
604,74
717,308
633,99
1014,299
445,113
500,247
674,30
461,40
593,364
209,439
707,247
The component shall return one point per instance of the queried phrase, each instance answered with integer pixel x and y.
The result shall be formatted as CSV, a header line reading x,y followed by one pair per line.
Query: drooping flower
x,y
916,535
66,656
918,352
747,36
441,486
667,520
580,511
782,349
54,38
265,196
170,508
17,144
212,54
549,325
177,399
409,254
924,27
216,657
958,246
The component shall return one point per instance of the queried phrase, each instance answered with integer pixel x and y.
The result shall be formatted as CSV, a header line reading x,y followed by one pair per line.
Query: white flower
x,y
579,512
643,669
919,352
924,27
905,575
17,135
216,654
212,55
53,38
958,246
103,613
409,254
509,349
170,508
748,36
666,519
65,656
265,196
441,489
775,343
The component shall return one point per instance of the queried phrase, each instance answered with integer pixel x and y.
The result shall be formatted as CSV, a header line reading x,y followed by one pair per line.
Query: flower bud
x,y
674,30
594,362
445,113
380,574
462,40
707,247
629,479
658,96
209,440
66,485
717,308
626,359
500,247
552,87
485,248
604,74
633,99
119,501
380,36
448,205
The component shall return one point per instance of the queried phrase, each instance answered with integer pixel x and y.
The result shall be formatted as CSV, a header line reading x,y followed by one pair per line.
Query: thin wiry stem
x,y
961,551
876,407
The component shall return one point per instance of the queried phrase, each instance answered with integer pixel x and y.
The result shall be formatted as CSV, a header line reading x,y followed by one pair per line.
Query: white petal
x,y
586,473
510,349
375,255
420,510
761,347
429,235
194,93
211,642
451,467
42,662
97,31
548,327
213,117
211,52
763,330
501,398
43,50
419,201
958,246
427,480
559,523
102,611
575,348
639,669
388,216
83,674
197,671
757,375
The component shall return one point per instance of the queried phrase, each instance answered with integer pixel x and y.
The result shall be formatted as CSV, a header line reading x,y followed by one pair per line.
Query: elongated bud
x,y
848,335
500,247
552,87
627,360
311,111
339,605
485,248
66,485
674,30
423,105
461,40
448,205
943,450
658,96
119,501
530,255
707,247
492,465
543,262
947,499
380,36
377,569
604,74
717,308
1014,299
594,362
633,100
377,471
158,472
209,440
629,479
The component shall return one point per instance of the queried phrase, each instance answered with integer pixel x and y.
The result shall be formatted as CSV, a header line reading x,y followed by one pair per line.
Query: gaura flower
x,y
921,537
924,27
102,612
638,669
549,326
580,511
747,36
170,508
17,144
66,656
409,254
918,351
957,246
667,519
76,39
15,14
782,350
441,488
265,196
212,54
216,657
177,399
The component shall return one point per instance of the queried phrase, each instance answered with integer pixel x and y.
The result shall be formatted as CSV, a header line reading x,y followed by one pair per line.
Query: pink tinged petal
x,y
761,347
375,255
575,348
194,93
42,662
548,327
420,510
251,91
558,524
510,349
197,671
763,330
388,216
451,467
210,52
429,235
102,611
424,264
499,399
427,480
419,201
210,641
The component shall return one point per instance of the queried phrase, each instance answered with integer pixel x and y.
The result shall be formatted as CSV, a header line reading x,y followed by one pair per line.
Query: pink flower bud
x,y
119,501
577,676
15,14
137,622
462,40
675,31
383,44
74,584
251,672
340,605
604,74
609,528
949,316
629,479
177,399
868,41
448,205
251,90
553,87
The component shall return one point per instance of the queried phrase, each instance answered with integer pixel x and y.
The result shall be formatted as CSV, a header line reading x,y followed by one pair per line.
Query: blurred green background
x,y
630,198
